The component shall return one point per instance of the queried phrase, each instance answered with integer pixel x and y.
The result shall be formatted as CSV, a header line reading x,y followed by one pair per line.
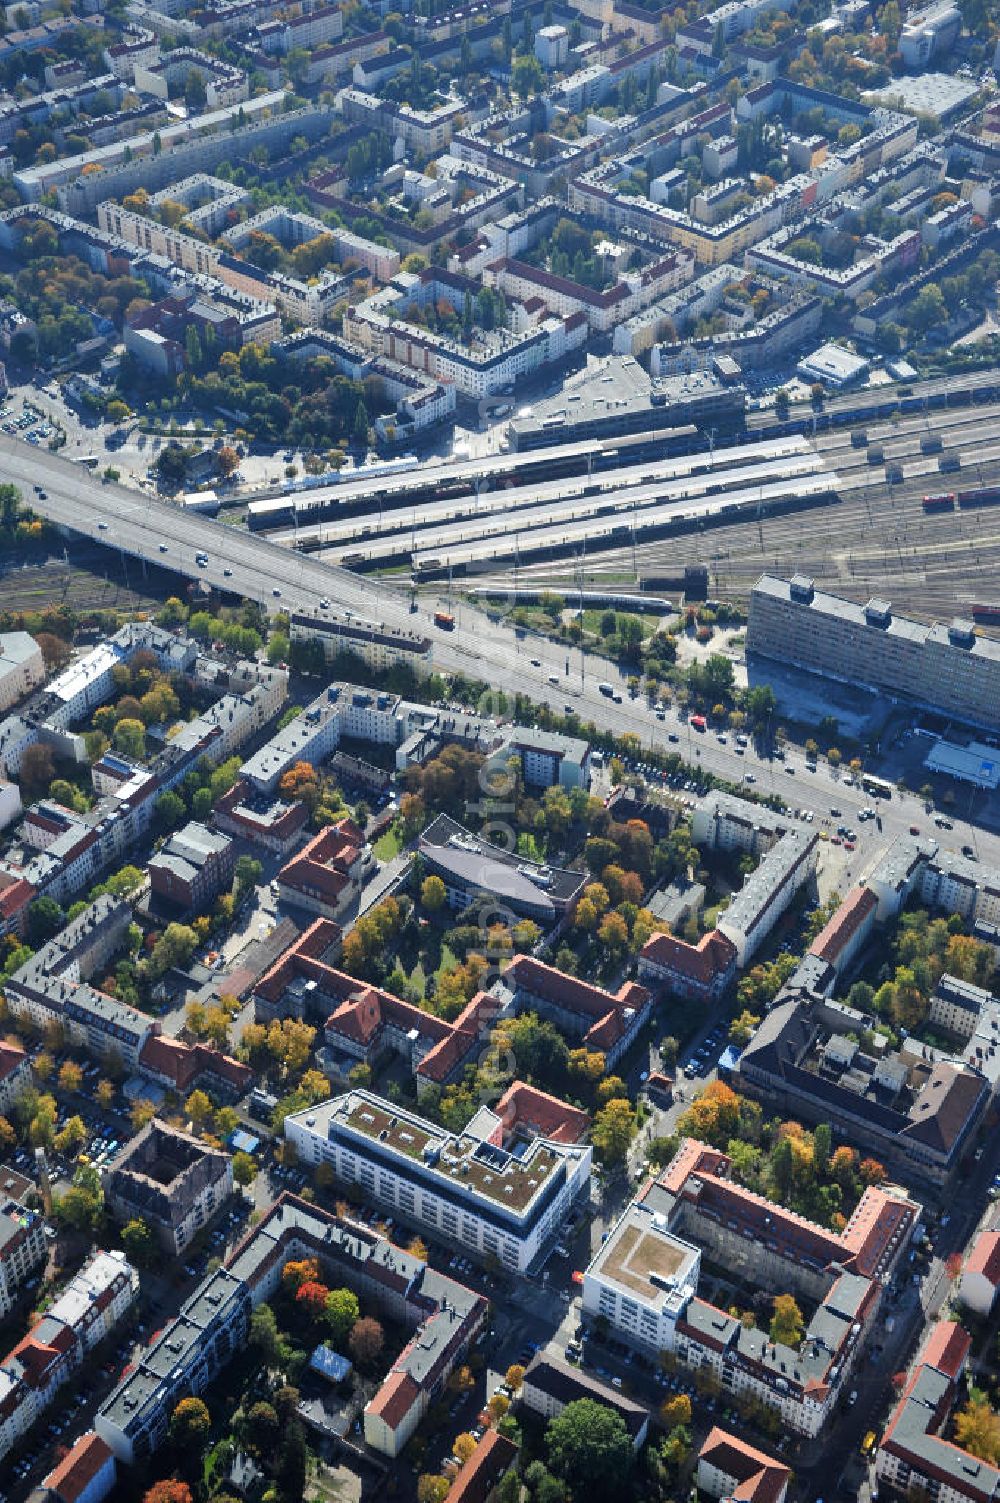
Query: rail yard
x,y
844,504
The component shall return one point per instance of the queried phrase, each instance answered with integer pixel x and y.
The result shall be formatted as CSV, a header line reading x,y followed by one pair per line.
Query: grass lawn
x,y
449,960
592,622
388,845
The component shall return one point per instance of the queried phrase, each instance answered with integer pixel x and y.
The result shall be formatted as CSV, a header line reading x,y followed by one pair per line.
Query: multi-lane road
x,y
548,672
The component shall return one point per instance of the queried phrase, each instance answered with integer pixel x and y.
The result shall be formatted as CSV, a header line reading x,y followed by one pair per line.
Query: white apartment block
x,y
948,668
722,822
22,667
465,1189
87,1310
500,358
767,892
22,1250
376,645
643,1279
341,710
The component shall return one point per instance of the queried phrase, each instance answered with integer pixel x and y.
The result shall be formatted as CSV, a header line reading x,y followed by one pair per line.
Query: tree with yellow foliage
x,y
977,1428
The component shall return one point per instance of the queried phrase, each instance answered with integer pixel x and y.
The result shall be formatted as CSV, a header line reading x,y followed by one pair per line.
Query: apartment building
x,y
87,1310
213,1324
15,1075
262,821
22,667
702,971
847,931
325,877
171,1181
80,688
362,1023
602,310
947,668
420,402
723,822
10,803
22,1250
291,228
191,868
929,34
549,759
729,1468
53,988
887,258
913,1455
341,710
643,1282
480,1476
498,1199
980,1279
956,1006
197,144
427,131
86,1474
74,848
916,1111
224,84
550,1384
767,892
605,1021
377,645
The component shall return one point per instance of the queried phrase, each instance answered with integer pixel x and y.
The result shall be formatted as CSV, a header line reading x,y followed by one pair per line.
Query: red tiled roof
x,y
395,1399
323,867
182,1063
841,927
757,1477
713,954
874,1221
78,1467
985,1257
544,1114
446,1055
11,1057
359,1018
570,992
691,1157
491,1460
699,1173
947,1348
36,1357
359,1022
15,897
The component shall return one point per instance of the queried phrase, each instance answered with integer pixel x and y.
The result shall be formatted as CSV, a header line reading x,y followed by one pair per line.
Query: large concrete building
x,y
948,668
471,868
188,1353
171,1181
497,1196
643,1283
914,1109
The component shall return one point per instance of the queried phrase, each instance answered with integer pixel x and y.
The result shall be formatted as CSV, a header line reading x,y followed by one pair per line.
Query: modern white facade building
x,y
496,1201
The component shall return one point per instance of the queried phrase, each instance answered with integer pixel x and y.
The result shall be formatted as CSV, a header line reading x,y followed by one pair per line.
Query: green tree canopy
x,y
589,1448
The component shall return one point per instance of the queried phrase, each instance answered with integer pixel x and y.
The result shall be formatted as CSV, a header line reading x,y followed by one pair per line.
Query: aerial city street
x,y
499,751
